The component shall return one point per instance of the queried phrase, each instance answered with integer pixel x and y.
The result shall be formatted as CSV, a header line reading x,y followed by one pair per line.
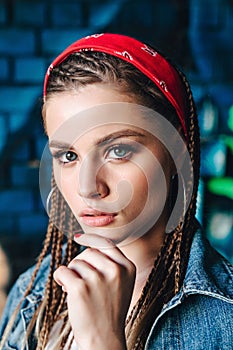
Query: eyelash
x,y
59,154
129,151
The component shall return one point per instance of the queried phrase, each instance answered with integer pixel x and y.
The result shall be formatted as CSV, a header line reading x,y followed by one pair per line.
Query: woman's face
x,y
111,170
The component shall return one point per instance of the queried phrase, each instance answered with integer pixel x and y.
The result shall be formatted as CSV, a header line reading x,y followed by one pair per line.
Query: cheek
x,y
149,178
66,180
150,191
140,185
69,193
136,179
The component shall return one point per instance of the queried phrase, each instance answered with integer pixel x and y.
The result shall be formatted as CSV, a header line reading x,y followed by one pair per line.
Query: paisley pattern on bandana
x,y
146,59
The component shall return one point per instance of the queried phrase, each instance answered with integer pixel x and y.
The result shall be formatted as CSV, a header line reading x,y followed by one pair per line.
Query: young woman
x,y
123,134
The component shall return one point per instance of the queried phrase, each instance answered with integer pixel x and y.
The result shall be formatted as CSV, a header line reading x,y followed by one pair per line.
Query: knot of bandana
x,y
142,56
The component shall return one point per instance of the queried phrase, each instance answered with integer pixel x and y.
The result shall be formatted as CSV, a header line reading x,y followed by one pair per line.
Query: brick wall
x,y
197,34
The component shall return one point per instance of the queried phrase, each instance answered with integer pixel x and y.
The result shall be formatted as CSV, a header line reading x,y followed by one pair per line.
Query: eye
x,y
120,152
70,156
65,157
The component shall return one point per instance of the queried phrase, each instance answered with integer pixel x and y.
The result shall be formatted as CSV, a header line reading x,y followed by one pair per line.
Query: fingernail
x,y
77,235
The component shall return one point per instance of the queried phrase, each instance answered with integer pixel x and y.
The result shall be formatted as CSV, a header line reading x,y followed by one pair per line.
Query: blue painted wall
x,y
196,33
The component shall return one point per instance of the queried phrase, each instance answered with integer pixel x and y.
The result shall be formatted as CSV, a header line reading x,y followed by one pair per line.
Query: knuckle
x,y
87,252
115,270
79,288
59,272
95,277
74,265
119,271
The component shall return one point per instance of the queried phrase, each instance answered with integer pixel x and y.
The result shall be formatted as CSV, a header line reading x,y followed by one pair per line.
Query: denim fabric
x,y
199,317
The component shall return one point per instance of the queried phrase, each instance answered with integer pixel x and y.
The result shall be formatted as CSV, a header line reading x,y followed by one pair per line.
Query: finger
x,y
103,245
94,240
67,278
111,264
93,262
85,269
97,242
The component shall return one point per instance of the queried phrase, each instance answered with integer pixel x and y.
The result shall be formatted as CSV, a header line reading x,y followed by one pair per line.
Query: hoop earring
x,y
176,200
48,199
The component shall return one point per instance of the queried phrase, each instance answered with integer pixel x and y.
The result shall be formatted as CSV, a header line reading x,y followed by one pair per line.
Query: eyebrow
x,y
103,140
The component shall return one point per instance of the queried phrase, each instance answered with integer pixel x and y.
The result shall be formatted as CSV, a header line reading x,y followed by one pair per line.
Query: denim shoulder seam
x,y
215,294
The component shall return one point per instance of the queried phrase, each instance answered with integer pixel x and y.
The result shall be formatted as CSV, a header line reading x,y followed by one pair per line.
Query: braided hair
x,y
167,274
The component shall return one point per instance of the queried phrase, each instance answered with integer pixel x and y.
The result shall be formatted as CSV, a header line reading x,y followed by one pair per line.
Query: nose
x,y
91,180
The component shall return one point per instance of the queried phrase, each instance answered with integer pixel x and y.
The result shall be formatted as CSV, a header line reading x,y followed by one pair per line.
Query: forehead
x,y
100,124
100,107
62,106
92,110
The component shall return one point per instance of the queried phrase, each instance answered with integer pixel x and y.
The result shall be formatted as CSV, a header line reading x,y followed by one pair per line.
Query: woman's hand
x,y
99,284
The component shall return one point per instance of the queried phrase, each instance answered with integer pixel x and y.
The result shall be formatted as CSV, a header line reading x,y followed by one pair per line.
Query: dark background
x,y
196,34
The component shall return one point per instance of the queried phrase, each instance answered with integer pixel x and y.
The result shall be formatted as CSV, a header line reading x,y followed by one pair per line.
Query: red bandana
x,y
146,59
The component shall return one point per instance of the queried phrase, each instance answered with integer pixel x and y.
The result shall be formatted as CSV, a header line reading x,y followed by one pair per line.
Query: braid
x,y
162,284
169,269
191,224
49,290
167,274
54,296
44,252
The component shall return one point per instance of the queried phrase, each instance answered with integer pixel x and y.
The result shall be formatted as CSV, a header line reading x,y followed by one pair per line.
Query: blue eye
x,y
70,156
65,157
120,152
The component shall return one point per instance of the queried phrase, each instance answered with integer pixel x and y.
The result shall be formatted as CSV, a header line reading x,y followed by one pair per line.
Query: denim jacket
x,y
198,317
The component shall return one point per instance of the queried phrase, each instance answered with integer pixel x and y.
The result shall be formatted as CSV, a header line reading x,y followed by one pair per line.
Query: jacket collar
x,y
207,273
37,292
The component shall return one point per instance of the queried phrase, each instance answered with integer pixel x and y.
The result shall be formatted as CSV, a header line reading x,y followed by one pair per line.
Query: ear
x,y
181,152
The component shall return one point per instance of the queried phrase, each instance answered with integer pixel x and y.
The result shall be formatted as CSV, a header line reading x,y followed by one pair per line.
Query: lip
x,y
95,218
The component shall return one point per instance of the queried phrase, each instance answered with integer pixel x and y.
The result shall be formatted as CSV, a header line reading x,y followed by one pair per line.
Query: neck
x,y
143,252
